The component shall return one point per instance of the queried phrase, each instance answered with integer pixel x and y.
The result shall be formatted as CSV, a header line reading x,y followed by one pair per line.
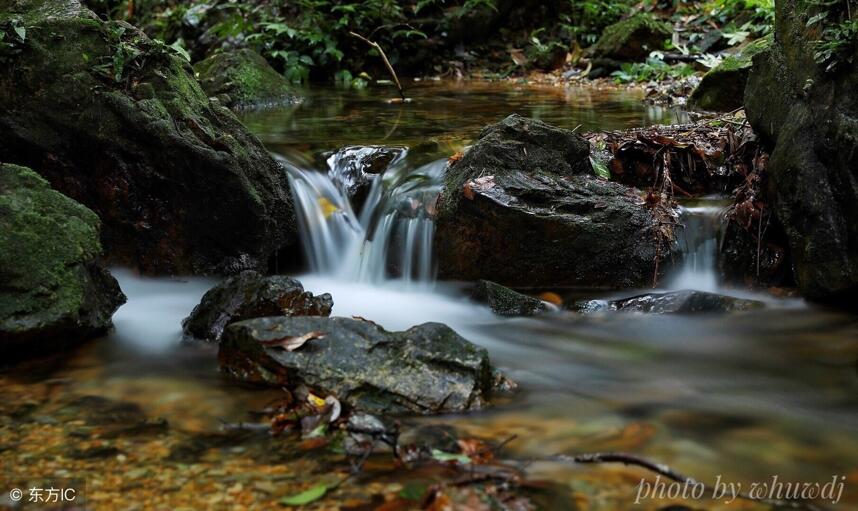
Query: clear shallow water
x,y
743,396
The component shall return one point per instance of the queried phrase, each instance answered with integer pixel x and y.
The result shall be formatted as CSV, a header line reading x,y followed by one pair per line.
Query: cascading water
x,y
392,235
699,244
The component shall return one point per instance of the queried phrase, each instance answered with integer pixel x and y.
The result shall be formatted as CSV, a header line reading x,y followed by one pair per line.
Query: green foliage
x,y
13,35
838,43
131,53
654,68
742,19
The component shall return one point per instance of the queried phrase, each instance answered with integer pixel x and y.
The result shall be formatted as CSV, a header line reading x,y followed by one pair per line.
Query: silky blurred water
x,y
744,395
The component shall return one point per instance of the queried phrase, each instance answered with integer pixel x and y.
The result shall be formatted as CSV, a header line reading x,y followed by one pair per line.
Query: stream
x,y
742,397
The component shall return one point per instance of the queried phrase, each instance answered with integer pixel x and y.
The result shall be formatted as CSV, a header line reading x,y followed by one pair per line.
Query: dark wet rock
x,y
723,87
522,208
179,184
244,79
53,291
746,260
428,437
633,38
674,302
356,168
808,114
503,301
252,295
426,369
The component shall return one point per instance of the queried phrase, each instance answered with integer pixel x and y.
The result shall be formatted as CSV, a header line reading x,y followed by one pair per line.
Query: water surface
x,y
743,396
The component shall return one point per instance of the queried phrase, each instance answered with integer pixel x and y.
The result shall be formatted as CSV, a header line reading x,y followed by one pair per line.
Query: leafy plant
x,y
653,68
836,47
13,35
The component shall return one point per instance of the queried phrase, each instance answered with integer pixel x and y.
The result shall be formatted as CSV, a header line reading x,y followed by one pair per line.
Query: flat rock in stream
x,y
117,121
674,302
522,208
252,295
356,168
426,369
503,301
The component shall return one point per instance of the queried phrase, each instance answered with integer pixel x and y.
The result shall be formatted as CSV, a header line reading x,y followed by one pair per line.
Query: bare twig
x,y
666,471
384,58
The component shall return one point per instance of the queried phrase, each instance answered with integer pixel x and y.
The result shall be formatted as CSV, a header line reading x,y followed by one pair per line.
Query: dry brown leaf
x,y
292,343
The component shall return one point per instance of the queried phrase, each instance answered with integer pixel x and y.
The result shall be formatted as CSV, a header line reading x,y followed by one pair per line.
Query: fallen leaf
x,y
316,401
293,343
305,497
552,298
446,457
468,191
328,207
452,160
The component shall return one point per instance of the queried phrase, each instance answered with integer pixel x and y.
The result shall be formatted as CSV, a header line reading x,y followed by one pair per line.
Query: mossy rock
x,y
245,78
633,38
809,118
53,292
722,89
118,122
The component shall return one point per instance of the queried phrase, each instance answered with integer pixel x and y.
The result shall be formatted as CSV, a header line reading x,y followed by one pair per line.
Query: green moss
x,y
723,87
44,238
245,77
633,38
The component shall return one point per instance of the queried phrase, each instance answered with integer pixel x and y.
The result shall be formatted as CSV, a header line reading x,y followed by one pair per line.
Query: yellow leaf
x,y
328,207
316,401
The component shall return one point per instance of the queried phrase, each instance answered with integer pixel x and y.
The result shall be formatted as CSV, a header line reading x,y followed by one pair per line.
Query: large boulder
x,y
808,113
117,121
426,369
723,87
53,292
252,295
632,38
522,208
243,79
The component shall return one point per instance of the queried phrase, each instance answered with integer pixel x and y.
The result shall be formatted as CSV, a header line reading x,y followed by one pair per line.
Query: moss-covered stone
x,y
722,89
245,78
426,369
52,291
633,38
116,121
809,117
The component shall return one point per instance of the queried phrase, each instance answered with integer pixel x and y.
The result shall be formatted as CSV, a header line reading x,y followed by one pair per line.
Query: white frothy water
x,y
392,236
699,244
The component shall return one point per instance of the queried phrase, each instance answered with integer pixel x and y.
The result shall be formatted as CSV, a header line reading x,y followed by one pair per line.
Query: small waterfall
x,y
699,244
391,238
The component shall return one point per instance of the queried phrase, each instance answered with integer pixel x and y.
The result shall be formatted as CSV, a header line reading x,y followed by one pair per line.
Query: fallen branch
x,y
384,58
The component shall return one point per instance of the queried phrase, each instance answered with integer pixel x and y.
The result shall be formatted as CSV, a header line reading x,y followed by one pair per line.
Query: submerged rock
x,y
808,113
723,88
117,121
53,292
251,295
633,38
506,302
244,79
674,302
426,369
522,208
356,168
